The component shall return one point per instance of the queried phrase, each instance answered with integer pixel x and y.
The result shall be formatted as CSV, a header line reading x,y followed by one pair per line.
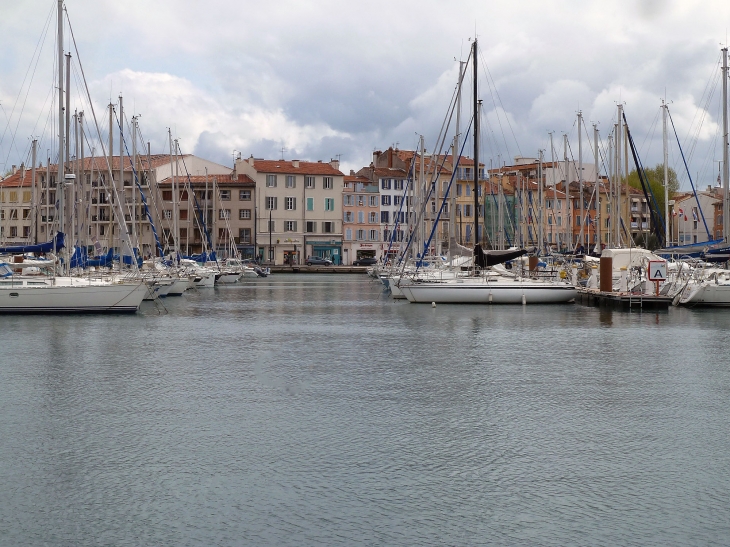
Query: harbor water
x,y
314,410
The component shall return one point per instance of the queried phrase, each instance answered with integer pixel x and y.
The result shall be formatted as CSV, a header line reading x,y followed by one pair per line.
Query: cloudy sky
x,y
323,79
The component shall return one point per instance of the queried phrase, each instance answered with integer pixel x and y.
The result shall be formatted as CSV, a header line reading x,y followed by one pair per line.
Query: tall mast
x,y
135,235
540,203
175,212
555,184
476,143
666,174
81,178
72,196
580,181
110,187
725,166
122,195
568,226
59,170
34,210
619,141
612,196
597,220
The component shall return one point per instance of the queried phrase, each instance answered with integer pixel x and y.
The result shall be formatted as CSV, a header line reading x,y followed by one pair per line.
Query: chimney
x,y
295,163
15,169
376,155
250,160
335,164
352,172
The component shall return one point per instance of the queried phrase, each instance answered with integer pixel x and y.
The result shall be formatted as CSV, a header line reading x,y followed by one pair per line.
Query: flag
x,y
674,213
681,213
685,218
694,214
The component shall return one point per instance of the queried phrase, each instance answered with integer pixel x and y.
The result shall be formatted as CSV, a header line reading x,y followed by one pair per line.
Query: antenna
x,y
282,152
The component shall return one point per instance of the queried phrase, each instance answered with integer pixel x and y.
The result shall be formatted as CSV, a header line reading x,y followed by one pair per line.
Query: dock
x,y
303,268
623,301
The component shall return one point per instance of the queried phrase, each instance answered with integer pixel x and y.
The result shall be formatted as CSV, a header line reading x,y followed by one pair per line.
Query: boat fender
x,y
433,304
524,300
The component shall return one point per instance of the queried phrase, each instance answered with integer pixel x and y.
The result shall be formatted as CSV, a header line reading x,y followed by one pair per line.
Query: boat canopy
x,y
485,259
56,243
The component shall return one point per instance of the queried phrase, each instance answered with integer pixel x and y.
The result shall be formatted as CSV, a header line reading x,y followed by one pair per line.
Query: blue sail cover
x,y
57,242
203,257
80,259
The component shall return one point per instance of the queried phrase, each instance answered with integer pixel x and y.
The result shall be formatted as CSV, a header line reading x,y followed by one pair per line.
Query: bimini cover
x,y
483,258
57,242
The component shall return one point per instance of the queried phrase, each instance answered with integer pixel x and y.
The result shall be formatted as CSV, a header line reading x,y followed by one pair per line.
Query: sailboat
x,y
63,293
486,283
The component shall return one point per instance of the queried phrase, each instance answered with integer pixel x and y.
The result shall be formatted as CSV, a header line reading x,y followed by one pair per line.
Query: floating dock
x,y
622,301
319,269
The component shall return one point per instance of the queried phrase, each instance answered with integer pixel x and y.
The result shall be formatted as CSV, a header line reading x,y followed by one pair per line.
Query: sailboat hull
x,y
482,292
39,297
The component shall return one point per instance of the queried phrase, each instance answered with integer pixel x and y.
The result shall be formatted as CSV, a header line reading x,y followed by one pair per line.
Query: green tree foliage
x,y
655,176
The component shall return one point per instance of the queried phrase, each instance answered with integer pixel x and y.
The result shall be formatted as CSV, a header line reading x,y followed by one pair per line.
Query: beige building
x,y
298,209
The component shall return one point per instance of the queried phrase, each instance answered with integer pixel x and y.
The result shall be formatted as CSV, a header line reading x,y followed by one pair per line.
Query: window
x,y
167,195
468,190
548,204
244,235
361,217
270,203
271,181
224,214
560,204
467,210
13,197
311,227
183,195
271,226
385,184
26,196
577,220
550,220
225,195
360,235
183,214
397,184
348,234
291,181
373,217
244,195
290,204
348,200
373,235
327,183
26,231
222,234
13,229
167,214
309,181
310,204
396,200
349,217
373,201
26,214
290,226
244,214
458,190
384,217
329,204
360,201
328,227
385,199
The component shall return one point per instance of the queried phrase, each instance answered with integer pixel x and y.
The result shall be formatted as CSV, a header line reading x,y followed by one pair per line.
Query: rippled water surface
x,y
313,410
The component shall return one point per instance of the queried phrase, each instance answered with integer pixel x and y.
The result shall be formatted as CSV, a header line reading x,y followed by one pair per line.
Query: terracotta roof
x,y
389,172
357,178
287,167
220,180
19,180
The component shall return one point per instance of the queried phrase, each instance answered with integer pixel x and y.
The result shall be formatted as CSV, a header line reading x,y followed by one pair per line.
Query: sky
x,y
322,79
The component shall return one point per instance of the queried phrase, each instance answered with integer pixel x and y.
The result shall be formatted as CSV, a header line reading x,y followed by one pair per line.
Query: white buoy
x,y
490,298
433,304
524,300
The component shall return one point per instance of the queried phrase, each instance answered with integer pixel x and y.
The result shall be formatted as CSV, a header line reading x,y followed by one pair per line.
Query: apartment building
x,y
299,209
361,219
214,212
17,221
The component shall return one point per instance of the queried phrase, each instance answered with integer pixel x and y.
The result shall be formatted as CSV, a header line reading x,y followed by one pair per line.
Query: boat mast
x,y
666,173
60,169
109,189
725,166
122,195
34,211
619,140
581,235
540,203
568,227
135,233
175,233
597,220
476,142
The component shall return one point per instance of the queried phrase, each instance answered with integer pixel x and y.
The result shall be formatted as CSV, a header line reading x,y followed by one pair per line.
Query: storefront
x,y
331,249
366,250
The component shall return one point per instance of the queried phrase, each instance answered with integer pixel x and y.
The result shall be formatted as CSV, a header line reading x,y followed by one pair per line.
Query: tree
x,y
655,177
